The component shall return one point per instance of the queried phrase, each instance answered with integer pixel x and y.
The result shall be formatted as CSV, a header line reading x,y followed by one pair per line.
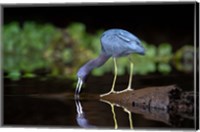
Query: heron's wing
x,y
123,37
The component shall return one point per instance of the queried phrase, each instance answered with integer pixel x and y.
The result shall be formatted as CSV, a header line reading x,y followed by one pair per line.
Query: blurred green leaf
x,y
67,55
14,75
164,49
29,75
164,68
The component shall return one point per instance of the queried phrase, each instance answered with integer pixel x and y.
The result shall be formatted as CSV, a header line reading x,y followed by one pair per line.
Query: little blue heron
x,y
114,43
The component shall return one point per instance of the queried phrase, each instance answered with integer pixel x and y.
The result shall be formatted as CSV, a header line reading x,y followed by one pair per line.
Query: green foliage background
x,y
62,52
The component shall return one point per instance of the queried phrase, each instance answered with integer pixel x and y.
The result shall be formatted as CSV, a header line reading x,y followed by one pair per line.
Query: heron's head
x,y
82,74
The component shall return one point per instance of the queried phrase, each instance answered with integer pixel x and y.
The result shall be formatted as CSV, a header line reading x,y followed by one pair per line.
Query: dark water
x,y
50,103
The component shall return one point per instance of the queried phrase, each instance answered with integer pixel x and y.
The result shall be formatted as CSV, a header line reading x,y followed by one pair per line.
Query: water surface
x,y
50,103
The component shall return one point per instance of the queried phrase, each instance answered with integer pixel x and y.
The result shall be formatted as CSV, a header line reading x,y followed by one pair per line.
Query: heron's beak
x,y
78,86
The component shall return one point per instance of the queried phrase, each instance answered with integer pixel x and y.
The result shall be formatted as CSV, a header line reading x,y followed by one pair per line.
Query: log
x,y
168,104
161,97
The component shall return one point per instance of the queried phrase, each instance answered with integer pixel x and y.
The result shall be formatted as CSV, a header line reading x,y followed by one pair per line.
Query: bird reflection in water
x,y
80,118
112,105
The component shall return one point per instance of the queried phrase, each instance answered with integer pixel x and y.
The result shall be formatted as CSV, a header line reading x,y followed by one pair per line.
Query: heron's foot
x,y
125,90
111,92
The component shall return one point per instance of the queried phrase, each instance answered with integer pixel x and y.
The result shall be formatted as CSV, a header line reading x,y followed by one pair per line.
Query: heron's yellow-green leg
x,y
114,80
115,75
130,76
129,117
130,79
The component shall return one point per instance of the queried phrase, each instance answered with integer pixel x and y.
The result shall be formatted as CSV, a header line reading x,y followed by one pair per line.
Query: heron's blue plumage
x,y
119,42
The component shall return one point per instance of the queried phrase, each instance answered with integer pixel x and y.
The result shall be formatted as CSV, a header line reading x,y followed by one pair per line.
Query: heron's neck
x,y
99,61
